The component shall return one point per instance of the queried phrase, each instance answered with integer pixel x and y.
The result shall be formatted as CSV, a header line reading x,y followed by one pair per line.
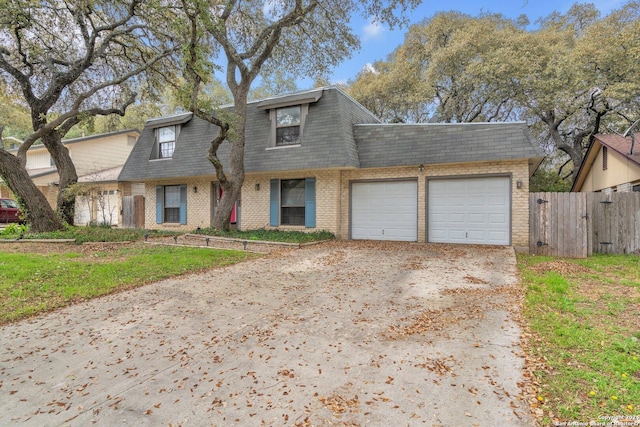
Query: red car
x,y
9,211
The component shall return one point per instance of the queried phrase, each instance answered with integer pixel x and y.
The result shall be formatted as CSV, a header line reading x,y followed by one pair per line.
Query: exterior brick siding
x,y
198,204
333,198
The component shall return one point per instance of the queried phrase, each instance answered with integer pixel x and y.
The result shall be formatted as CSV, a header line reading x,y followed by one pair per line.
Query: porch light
x,y
421,168
519,184
257,187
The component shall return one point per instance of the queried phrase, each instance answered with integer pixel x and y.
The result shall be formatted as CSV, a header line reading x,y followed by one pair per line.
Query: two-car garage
x,y
474,210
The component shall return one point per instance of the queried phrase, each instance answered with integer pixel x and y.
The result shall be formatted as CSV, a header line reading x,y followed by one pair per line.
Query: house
x,y
98,160
611,164
318,160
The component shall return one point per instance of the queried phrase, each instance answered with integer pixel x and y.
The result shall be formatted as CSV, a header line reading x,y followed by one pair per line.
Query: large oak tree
x,y
68,60
302,37
569,78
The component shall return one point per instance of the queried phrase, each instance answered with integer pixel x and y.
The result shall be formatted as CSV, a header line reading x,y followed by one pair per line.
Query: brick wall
x,y
198,204
519,170
255,203
332,196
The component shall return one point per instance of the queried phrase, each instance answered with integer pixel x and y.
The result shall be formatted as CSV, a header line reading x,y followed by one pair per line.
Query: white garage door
x,y
470,210
384,210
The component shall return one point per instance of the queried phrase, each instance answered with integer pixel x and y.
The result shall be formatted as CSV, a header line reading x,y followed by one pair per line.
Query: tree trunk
x,y
66,201
34,205
231,189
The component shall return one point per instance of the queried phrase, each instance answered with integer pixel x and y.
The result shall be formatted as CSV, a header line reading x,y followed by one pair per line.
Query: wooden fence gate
x,y
133,211
577,225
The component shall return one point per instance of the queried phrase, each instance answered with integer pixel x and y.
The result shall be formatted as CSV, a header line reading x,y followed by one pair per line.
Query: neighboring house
x,y
318,160
11,142
98,160
611,164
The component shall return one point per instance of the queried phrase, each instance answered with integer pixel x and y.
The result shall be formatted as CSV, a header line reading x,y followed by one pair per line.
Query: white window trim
x,y
156,148
271,142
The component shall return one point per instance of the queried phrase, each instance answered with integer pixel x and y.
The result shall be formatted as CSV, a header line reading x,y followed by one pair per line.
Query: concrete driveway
x,y
344,333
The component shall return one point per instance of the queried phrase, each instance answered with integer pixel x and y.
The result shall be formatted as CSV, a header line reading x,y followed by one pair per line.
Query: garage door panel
x,y
476,235
455,236
469,210
497,218
456,201
384,210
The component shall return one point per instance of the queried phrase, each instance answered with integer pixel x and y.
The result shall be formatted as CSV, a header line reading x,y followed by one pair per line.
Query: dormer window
x,y
287,115
288,126
166,131
166,141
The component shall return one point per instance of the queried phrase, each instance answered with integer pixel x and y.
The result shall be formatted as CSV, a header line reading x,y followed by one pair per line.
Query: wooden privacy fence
x,y
577,225
133,211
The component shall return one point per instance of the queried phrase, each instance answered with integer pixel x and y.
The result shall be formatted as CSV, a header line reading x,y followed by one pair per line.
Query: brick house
x,y
318,160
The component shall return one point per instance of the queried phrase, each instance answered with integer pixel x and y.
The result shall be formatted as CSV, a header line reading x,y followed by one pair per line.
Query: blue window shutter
x,y
183,204
274,203
159,203
310,202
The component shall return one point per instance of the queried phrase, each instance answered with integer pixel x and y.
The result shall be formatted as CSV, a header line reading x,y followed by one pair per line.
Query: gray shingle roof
x,y
338,133
412,144
327,142
189,157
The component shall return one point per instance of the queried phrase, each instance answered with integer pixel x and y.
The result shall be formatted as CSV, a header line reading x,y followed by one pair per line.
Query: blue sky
x,y
377,42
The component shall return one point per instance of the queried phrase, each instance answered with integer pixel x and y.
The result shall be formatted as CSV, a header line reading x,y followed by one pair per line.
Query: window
x,y
604,158
9,204
166,141
171,204
293,202
288,126
636,188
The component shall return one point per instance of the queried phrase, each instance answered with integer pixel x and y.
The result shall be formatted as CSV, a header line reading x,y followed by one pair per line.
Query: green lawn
x,y
585,319
32,283
270,235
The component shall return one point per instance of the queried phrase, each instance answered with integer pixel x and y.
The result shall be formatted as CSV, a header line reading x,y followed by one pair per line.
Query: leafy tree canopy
x,y
569,78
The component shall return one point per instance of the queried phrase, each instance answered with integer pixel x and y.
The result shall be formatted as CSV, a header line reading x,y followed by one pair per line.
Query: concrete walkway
x,y
345,333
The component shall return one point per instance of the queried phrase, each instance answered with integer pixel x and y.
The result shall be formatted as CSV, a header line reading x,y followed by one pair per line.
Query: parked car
x,y
9,211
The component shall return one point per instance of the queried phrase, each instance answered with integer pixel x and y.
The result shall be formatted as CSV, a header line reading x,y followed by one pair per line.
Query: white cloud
x,y
372,30
369,68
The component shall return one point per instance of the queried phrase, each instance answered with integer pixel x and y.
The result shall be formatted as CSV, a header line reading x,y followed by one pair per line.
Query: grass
x,y
32,283
85,234
270,235
585,317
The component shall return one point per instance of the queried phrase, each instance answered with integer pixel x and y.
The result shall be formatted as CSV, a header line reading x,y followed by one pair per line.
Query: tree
x,y
273,85
69,60
262,36
569,78
548,177
442,72
581,74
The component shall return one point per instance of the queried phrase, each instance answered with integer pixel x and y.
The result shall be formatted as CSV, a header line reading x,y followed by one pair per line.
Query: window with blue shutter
x,y
159,203
183,204
171,204
274,202
310,203
292,202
